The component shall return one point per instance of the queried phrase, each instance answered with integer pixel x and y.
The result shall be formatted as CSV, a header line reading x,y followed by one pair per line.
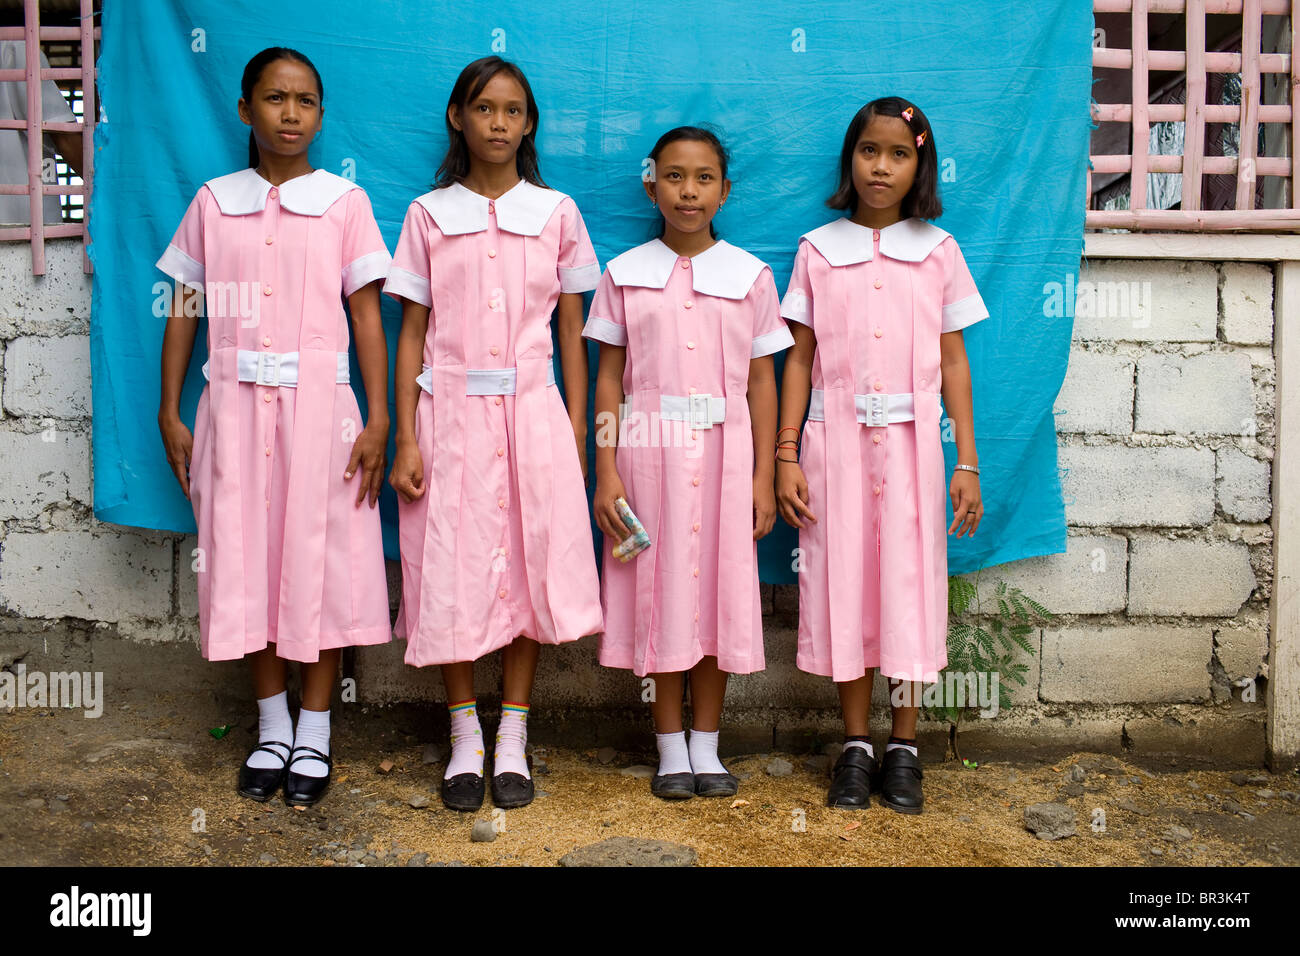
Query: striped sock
x,y
512,738
466,739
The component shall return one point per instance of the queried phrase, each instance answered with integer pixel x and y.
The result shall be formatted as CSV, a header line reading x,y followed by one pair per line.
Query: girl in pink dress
x,y
496,544
688,325
877,302
290,565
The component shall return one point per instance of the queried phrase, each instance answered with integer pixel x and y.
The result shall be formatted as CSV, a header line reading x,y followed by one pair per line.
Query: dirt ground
x,y
147,783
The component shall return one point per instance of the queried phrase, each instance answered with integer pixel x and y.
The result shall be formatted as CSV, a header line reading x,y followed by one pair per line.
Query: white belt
x,y
699,410
278,368
484,381
875,409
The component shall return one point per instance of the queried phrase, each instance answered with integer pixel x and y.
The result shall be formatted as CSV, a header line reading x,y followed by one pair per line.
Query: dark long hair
x,y
922,200
470,83
695,134
253,72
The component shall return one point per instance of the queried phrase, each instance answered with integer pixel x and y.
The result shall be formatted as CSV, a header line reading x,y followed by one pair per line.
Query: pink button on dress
x,y
285,556
500,543
691,327
873,591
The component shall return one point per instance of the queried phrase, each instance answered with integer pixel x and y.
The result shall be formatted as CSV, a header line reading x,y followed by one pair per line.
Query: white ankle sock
x,y
273,723
512,738
313,731
466,740
889,747
674,757
704,752
860,743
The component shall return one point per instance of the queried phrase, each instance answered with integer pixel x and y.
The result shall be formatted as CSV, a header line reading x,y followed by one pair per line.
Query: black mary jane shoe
x,y
301,790
673,786
260,783
510,790
716,784
851,777
900,781
463,792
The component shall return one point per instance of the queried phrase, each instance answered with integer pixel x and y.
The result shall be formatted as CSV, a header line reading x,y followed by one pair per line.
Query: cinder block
x,y
1089,578
1242,646
48,376
1246,297
47,467
1207,394
1147,301
57,303
1188,578
1137,487
101,575
1154,663
1097,396
1242,486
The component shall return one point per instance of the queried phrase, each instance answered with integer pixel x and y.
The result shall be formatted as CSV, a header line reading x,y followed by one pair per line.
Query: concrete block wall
x,y
1165,424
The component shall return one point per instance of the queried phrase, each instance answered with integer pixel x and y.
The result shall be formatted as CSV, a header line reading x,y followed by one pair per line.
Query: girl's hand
x,y
764,507
967,507
608,490
179,444
368,453
792,494
407,476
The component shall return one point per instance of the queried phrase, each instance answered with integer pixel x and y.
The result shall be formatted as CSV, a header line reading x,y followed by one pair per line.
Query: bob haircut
x,y
922,200
470,83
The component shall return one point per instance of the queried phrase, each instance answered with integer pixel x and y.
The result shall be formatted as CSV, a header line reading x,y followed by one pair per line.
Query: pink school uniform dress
x,y
500,543
285,556
686,454
873,588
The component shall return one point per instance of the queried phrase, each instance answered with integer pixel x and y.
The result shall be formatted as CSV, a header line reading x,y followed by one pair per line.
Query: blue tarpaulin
x,y
1006,87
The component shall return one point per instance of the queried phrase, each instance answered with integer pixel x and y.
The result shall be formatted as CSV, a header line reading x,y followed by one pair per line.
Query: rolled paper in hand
x,y
637,541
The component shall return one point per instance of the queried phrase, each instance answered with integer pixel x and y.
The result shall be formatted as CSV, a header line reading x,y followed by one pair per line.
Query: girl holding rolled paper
x,y
877,301
688,325
490,462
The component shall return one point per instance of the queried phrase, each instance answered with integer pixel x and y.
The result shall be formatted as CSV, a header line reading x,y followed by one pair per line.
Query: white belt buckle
x,y
698,408
268,369
506,385
876,411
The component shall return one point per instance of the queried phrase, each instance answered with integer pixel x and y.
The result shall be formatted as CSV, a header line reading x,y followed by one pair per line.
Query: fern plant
x,y
986,641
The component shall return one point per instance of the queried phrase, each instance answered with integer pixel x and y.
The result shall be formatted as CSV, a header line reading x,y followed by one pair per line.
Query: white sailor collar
x,y
844,243
722,270
523,209
245,192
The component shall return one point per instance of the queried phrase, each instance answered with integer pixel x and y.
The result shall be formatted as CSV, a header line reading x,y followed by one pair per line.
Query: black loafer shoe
x,y
900,781
463,792
512,790
301,790
260,783
851,780
716,785
673,786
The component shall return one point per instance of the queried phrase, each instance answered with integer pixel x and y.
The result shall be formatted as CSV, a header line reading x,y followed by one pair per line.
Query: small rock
x,y
1239,778
1132,807
1050,821
369,860
779,767
540,767
741,774
36,803
1201,848
1274,848
1248,817
1231,806
640,771
1193,785
1291,795
1012,776
267,858
1177,834
483,832
1073,789
432,754
61,797
963,818
418,859
1076,774
538,794
1266,794
354,856
1258,779
57,807
606,755
818,764
1156,851
629,851
418,800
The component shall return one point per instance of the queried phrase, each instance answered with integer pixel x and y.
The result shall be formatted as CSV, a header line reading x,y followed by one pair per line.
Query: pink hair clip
x,y
907,114
920,139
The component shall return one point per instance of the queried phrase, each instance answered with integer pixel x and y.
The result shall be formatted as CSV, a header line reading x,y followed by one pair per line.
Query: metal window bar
x,y
1194,63
32,33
